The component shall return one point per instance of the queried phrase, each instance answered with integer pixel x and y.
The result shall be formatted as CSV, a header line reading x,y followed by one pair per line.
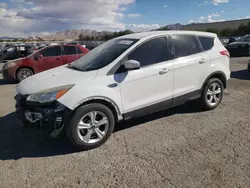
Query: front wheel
x,y
23,73
91,126
212,94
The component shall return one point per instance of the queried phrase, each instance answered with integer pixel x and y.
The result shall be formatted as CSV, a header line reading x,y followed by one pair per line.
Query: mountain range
x,y
7,38
74,33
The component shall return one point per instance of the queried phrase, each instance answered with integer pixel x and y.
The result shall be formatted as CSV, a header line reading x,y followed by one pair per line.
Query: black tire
x,y
23,73
204,100
72,126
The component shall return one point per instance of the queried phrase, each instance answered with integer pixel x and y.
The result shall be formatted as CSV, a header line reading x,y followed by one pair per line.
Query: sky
x,y
41,17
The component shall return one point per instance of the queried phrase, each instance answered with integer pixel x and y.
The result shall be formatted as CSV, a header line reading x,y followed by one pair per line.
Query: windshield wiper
x,y
73,67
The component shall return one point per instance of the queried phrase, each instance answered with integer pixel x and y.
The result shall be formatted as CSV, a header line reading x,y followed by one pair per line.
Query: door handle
x,y
202,61
58,58
163,71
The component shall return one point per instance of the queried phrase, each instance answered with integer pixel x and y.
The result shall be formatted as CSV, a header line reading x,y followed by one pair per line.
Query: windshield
x,y
244,39
103,55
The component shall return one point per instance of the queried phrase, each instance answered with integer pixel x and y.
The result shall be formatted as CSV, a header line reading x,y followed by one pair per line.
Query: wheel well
x,y
106,103
220,76
25,68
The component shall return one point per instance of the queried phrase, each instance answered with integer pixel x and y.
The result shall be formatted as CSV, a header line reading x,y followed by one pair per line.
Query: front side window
x,y
12,49
185,45
52,51
207,42
69,50
103,55
151,52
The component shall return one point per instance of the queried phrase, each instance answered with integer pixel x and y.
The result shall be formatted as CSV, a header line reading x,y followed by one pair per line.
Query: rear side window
x,y
52,51
79,50
151,52
185,45
69,50
207,42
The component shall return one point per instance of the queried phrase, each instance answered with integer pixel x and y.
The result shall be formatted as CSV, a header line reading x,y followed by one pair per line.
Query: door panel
x,y
190,66
147,86
47,63
152,84
69,58
52,57
69,54
189,72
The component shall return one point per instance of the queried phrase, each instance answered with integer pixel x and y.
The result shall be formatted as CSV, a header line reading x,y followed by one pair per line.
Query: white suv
x,y
123,78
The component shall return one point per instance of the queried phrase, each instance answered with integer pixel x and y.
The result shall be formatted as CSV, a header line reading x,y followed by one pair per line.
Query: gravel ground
x,y
181,147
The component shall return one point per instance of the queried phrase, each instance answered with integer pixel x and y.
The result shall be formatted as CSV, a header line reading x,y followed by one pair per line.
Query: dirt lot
x,y
181,147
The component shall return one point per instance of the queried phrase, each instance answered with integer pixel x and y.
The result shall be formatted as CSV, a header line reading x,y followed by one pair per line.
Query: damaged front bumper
x,y
50,117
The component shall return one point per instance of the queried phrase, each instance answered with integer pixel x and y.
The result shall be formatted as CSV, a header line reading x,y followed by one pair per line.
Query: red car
x,y
44,59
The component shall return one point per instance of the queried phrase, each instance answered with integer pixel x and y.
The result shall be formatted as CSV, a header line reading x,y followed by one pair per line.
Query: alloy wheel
x,y
92,127
214,94
23,74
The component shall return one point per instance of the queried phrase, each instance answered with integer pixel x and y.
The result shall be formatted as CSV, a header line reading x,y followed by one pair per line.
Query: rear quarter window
x,y
206,42
185,45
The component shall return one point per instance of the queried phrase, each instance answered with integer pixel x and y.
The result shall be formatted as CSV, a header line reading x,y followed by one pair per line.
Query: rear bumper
x,y
50,117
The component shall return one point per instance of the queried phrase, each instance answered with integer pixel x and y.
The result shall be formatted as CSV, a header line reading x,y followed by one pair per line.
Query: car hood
x,y
238,43
16,60
56,77
13,61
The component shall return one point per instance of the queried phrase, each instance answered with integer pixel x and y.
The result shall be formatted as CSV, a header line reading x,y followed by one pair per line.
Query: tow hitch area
x,y
49,117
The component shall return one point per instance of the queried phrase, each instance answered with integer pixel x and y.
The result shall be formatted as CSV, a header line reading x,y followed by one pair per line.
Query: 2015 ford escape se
x,y
126,77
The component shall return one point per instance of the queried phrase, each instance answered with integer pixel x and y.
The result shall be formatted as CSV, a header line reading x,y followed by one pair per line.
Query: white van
x,y
126,77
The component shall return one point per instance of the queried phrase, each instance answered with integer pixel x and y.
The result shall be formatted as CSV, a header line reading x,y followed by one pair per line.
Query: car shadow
x,y
241,75
190,107
17,144
6,82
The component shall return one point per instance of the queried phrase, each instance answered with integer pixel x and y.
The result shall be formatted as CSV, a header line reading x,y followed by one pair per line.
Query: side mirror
x,y
40,56
132,64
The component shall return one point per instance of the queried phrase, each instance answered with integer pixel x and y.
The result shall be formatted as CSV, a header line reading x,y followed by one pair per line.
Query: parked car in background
x,y
126,77
75,43
17,51
78,43
42,45
226,41
240,47
2,46
46,58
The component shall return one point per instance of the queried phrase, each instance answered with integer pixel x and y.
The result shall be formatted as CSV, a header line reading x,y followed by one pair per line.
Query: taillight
x,y
225,52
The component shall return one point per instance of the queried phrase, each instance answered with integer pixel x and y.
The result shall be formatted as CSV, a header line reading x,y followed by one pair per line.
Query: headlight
x,y
49,95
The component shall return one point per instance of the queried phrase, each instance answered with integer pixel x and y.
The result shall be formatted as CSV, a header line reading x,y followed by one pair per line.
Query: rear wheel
x,y
212,94
23,73
91,126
